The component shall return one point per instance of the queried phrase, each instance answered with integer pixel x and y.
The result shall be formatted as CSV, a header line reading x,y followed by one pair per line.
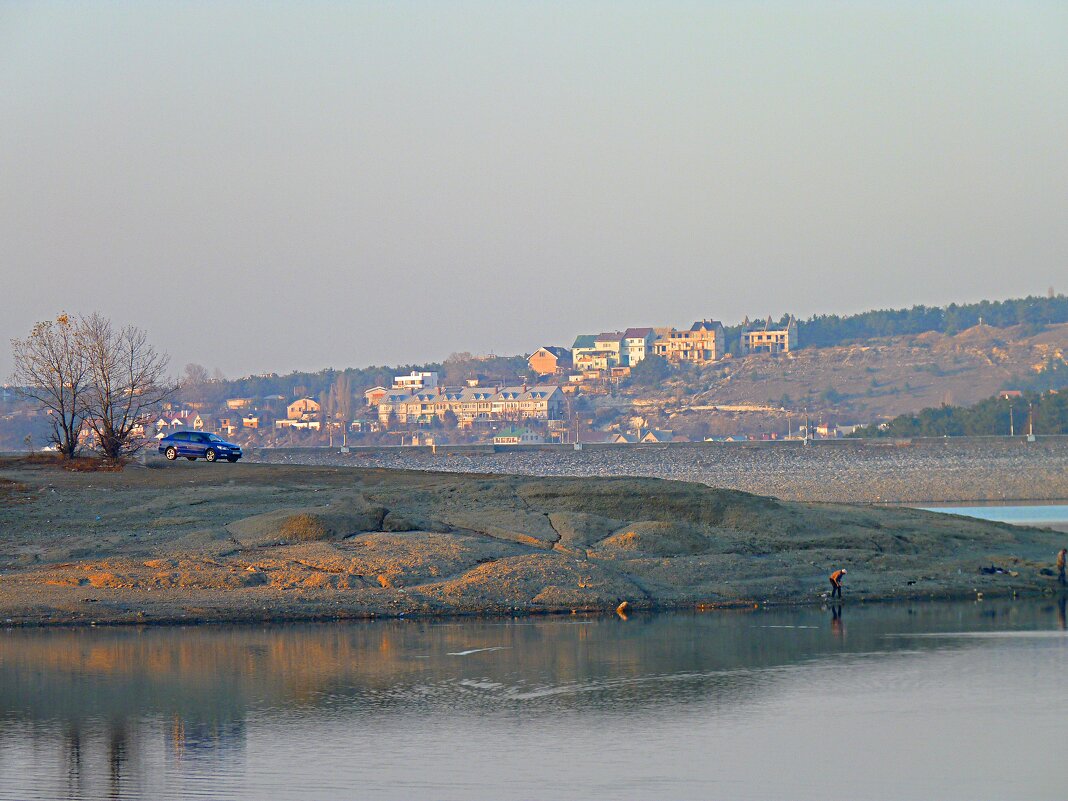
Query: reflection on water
x,y
894,700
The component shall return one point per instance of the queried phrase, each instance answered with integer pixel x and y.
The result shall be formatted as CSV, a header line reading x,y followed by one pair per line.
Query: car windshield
x,y
213,438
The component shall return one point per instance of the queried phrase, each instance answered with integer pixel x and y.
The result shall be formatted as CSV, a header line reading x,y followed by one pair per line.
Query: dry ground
x,y
253,541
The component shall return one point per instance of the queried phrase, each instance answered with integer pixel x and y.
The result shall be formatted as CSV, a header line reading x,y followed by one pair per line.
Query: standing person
x,y
1061,558
836,583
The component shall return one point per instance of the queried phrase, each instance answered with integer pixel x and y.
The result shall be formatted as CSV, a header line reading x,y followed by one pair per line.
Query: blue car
x,y
197,444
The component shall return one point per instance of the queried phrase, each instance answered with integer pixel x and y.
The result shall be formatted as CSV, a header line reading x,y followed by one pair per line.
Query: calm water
x,y
934,701
1023,514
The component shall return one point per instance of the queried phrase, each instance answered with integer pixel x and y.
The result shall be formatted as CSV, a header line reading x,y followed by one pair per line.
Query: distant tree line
x,y
991,417
826,330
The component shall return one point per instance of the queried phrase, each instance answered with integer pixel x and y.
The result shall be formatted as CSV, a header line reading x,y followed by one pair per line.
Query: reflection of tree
x,y
72,750
116,759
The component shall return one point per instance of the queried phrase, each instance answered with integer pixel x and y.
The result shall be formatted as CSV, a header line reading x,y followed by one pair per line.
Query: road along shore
x,y
217,542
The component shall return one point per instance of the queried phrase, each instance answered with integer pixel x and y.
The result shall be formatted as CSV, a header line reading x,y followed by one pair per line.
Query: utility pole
x,y
1012,431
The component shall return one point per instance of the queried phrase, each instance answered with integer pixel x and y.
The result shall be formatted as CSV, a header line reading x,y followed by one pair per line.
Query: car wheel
x,y
231,459
191,458
209,454
171,454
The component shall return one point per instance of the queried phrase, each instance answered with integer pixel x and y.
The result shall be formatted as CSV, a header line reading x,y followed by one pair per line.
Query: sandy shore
x,y
194,541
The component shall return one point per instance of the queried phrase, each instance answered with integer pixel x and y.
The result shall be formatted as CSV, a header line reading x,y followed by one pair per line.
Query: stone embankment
x,y
917,471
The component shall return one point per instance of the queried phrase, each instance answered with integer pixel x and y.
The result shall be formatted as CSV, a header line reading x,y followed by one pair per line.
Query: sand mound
x,y
334,522
655,538
578,530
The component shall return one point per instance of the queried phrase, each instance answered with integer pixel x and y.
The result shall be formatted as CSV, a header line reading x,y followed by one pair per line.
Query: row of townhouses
x,y
470,405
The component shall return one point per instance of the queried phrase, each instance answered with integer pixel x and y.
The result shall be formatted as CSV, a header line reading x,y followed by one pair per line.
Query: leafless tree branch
x,y
128,383
51,369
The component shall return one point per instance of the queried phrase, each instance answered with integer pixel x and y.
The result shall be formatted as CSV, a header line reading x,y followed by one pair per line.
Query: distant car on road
x,y
196,444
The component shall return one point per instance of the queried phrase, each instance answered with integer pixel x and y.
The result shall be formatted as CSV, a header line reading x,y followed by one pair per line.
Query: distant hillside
x,y
876,380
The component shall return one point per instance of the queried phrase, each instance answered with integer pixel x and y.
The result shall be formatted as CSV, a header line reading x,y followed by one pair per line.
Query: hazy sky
x,y
278,186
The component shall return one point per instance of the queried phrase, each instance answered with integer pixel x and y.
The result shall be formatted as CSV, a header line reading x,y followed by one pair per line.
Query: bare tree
x,y
343,396
128,382
194,375
328,408
52,369
194,381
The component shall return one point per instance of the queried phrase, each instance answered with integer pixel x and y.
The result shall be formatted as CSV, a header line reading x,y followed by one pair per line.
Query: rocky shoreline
x,y
197,542
854,471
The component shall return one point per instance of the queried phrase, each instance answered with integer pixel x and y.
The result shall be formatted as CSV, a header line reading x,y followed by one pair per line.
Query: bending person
x,y
836,583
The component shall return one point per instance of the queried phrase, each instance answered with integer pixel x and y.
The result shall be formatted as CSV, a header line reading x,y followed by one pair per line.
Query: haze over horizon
x,y
270,188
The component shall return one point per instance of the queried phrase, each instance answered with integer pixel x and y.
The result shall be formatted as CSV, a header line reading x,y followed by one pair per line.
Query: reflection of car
x,y
193,444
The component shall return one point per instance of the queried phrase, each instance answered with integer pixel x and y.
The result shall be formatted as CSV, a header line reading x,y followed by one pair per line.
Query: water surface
x,y
1031,514
947,701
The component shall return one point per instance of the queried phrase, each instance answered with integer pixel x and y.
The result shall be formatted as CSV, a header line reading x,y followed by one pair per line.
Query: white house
x,y
416,380
518,436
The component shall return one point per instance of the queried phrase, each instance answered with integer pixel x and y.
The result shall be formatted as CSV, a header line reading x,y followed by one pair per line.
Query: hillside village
x,y
703,381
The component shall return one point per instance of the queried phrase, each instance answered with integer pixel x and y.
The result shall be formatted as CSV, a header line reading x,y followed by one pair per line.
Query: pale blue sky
x,y
278,186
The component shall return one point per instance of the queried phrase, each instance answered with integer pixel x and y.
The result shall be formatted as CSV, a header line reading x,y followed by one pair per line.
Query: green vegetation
x,y
649,372
1054,375
827,330
990,417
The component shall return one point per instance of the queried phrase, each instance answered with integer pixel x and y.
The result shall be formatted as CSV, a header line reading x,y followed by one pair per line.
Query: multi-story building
x,y
473,404
544,402
637,344
768,337
302,409
416,380
701,344
611,343
372,396
582,346
599,352
549,360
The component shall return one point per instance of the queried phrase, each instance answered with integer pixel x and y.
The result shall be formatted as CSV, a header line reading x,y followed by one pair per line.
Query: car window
x,y
181,436
213,438
202,437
